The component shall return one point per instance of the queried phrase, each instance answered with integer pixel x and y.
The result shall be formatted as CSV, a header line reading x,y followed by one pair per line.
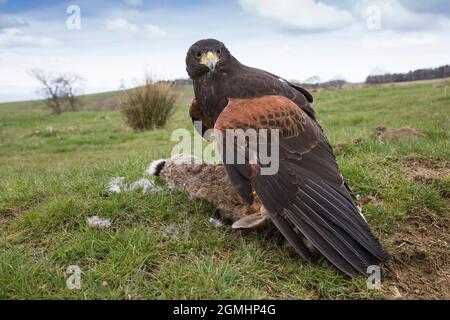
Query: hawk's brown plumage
x,y
307,197
267,112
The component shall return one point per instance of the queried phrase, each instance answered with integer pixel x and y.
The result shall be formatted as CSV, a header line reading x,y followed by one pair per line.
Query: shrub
x,y
148,107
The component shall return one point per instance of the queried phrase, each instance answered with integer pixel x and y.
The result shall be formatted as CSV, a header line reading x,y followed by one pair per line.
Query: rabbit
x,y
209,182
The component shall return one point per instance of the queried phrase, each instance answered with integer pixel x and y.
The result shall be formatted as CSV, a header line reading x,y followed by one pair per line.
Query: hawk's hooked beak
x,y
210,60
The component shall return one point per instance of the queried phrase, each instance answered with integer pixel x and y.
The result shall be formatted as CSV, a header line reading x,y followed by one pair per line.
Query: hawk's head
x,y
205,56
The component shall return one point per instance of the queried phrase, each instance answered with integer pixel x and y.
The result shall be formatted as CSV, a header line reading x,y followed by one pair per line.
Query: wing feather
x,y
307,196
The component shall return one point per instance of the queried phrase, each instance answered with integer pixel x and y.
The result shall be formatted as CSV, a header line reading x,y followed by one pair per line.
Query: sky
x,y
110,43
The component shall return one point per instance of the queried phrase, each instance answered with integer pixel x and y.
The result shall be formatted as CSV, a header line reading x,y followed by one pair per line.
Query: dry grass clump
x,y
149,106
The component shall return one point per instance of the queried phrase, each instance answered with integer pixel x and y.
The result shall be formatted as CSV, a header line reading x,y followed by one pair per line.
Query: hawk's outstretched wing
x,y
307,196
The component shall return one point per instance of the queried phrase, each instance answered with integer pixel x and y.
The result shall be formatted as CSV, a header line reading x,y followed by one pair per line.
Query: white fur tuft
x,y
153,168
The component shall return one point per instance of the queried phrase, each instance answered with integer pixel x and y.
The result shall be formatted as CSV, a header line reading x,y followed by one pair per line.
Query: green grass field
x,y
54,172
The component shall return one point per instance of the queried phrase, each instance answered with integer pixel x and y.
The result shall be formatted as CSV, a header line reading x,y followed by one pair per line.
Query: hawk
x,y
307,198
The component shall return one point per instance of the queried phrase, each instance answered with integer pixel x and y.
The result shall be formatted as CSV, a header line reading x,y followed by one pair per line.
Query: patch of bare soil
x,y
384,134
426,170
420,246
370,198
9,215
340,147
420,265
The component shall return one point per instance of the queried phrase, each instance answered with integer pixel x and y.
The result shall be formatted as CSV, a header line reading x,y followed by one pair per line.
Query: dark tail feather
x,y
156,166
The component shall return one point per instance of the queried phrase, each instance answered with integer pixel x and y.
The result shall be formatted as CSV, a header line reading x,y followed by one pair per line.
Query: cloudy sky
x,y
121,40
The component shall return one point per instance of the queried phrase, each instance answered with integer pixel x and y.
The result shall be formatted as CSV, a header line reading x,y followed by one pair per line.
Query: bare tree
x,y
70,83
59,90
314,80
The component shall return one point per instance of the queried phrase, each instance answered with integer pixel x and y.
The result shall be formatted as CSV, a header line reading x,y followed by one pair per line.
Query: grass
x,y
54,171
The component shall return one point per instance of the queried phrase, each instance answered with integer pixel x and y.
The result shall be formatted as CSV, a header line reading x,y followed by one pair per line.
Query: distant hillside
x,y
421,74
102,101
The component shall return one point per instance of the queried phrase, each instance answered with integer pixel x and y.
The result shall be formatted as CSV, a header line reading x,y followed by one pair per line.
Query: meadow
x,y
54,172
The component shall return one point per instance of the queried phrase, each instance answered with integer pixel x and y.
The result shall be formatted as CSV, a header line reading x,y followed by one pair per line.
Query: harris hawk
x,y
307,198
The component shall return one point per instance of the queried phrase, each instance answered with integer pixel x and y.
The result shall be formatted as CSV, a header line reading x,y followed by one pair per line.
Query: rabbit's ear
x,y
253,221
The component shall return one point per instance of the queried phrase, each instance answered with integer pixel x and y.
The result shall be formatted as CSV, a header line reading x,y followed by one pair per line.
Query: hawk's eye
x,y
218,51
198,54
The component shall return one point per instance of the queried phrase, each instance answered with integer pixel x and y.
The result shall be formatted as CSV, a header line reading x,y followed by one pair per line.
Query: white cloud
x,y
17,37
123,26
134,2
390,39
154,31
12,21
135,41
392,14
315,15
300,14
395,16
